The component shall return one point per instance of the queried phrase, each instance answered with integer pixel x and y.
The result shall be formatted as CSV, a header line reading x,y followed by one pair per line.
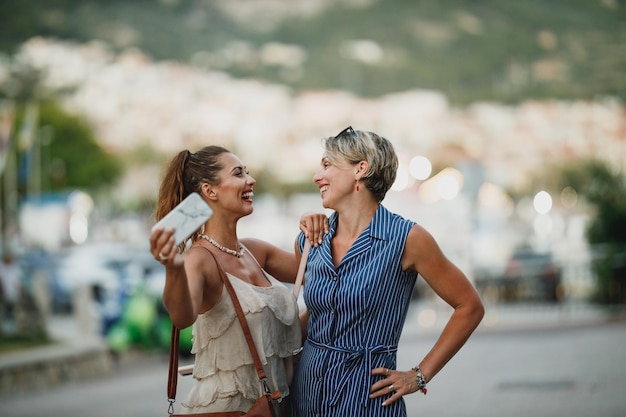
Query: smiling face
x,y
351,149
335,180
234,190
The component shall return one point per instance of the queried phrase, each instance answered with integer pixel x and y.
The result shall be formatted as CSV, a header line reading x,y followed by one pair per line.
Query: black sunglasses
x,y
348,130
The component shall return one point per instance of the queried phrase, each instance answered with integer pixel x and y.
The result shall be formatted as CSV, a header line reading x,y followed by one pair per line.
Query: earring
x,y
357,185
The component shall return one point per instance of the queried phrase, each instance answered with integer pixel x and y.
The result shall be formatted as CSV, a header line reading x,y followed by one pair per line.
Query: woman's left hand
x,y
395,384
163,248
314,226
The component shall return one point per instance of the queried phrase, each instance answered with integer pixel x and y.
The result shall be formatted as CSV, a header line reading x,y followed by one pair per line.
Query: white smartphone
x,y
186,217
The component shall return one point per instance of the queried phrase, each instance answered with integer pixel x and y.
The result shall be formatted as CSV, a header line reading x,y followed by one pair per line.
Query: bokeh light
x,y
542,202
420,167
569,197
445,185
449,183
403,180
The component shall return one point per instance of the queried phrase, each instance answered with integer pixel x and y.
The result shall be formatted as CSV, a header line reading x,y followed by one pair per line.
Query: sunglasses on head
x,y
347,130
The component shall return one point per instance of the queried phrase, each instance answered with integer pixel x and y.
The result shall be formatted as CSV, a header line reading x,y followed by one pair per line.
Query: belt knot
x,y
355,357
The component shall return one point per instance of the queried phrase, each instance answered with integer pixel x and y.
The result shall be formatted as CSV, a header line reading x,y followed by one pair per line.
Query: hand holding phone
x,y
186,217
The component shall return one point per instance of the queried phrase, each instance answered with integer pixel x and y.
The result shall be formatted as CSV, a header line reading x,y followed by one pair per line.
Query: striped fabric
x,y
357,313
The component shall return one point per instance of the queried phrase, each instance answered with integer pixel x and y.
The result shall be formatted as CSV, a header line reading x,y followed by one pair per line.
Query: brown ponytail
x,y
185,174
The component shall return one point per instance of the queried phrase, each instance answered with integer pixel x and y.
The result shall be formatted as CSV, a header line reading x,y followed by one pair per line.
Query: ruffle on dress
x,y
224,369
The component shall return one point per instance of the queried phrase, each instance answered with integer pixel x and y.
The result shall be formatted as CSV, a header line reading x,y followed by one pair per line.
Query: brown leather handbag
x,y
263,407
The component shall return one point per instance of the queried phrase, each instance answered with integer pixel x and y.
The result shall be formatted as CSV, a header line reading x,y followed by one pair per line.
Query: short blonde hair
x,y
356,146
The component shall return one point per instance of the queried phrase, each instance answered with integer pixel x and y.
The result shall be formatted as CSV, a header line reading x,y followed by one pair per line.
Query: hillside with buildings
x,y
132,100
508,51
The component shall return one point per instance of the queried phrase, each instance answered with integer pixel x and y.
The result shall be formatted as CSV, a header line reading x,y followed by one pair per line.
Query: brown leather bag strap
x,y
172,380
301,268
172,377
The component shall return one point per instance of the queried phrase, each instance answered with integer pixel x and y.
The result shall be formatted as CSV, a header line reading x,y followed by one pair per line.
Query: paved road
x,y
548,371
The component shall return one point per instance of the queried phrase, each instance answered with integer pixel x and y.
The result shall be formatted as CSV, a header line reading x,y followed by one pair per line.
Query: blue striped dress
x,y
357,313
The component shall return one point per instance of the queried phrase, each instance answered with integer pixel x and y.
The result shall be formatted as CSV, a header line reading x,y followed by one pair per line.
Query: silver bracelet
x,y
421,380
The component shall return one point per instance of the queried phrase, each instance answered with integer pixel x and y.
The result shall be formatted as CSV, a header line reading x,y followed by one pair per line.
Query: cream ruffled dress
x,y
224,369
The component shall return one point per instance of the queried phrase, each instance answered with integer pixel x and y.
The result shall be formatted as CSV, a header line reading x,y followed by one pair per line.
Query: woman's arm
x,y
279,263
191,289
423,254
192,284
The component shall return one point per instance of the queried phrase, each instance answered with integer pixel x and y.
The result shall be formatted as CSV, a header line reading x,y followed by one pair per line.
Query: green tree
x,y
76,160
70,156
605,190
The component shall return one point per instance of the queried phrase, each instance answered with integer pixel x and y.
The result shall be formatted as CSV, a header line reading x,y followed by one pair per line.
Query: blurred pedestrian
x,y
358,287
10,290
194,293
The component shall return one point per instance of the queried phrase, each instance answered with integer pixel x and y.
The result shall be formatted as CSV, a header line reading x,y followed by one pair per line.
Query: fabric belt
x,y
356,357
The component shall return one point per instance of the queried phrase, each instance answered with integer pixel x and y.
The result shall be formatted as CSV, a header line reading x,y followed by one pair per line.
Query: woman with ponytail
x,y
194,294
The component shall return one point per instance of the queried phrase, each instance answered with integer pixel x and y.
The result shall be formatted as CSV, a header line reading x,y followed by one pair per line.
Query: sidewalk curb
x,y
45,367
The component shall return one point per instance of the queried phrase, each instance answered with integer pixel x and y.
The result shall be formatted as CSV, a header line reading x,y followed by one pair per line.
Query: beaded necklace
x,y
237,253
